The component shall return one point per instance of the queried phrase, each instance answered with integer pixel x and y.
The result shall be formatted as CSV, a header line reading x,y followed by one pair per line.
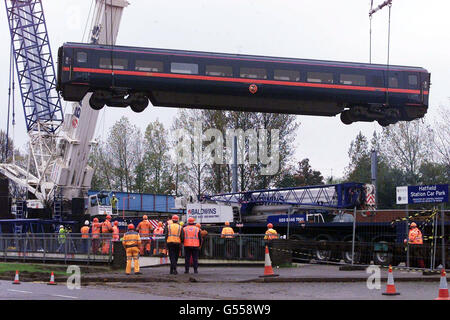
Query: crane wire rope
x,y
9,104
109,32
12,80
388,53
370,32
87,21
371,12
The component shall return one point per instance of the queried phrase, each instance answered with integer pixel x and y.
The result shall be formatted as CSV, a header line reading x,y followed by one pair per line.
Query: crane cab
x,y
99,205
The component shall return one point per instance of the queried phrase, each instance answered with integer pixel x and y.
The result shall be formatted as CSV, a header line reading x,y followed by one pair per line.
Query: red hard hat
x,y
108,217
175,217
227,223
270,225
131,226
116,223
191,220
145,217
413,225
95,219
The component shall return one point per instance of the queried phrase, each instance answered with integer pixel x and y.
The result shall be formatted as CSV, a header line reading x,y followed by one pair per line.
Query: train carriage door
x,y
80,60
59,68
413,83
67,61
424,87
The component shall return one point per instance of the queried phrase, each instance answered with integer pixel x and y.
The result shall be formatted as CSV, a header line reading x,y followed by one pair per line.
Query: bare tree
x,y
123,151
442,136
6,147
157,161
407,145
193,160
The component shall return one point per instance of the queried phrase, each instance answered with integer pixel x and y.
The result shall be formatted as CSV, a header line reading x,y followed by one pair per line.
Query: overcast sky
x,y
320,29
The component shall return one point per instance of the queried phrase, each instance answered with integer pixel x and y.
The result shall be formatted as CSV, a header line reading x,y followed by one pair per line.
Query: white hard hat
x,y
61,226
86,223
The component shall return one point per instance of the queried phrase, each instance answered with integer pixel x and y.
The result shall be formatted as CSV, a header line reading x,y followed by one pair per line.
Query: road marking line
x,y
58,295
19,291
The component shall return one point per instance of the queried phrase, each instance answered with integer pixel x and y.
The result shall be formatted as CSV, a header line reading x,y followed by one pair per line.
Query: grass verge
x,y
7,267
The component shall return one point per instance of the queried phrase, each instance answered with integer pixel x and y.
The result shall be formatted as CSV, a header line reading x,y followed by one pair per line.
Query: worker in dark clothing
x,y
191,238
173,241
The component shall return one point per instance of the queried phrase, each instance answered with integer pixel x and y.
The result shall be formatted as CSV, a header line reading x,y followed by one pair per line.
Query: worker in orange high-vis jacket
x,y
227,231
191,238
116,232
270,235
96,229
415,240
107,231
158,239
145,229
173,242
203,232
85,237
131,242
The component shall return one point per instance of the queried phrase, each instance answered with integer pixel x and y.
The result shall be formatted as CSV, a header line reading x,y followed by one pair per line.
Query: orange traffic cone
x,y
268,271
443,288
52,279
16,278
390,288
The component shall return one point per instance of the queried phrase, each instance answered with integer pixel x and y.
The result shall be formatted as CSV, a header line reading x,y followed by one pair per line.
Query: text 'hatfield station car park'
x,y
229,177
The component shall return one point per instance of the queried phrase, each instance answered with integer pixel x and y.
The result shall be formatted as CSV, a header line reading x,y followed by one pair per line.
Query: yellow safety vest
x,y
131,239
271,234
227,232
174,233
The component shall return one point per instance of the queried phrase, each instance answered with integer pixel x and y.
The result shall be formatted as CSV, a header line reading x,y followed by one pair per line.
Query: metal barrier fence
x,y
54,247
371,237
73,247
378,237
240,247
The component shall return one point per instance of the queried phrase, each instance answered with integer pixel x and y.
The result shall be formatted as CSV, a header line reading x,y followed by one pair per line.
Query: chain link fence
x,y
375,237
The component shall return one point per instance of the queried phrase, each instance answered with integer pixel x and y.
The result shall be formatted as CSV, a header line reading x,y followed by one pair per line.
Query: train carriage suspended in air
x,y
120,76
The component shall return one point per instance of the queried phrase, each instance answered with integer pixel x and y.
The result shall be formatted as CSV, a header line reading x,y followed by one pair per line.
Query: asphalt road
x,y
220,291
283,291
40,291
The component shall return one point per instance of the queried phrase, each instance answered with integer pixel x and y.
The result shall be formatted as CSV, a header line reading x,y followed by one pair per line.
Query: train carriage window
x,y
377,81
81,57
353,79
219,71
118,64
187,68
149,66
253,73
286,75
319,77
413,80
393,82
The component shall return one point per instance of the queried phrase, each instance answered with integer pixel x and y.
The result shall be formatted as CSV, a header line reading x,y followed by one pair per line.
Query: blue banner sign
x,y
422,194
283,218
